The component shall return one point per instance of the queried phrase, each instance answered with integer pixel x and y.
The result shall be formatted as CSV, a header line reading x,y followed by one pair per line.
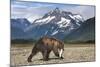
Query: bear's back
x,y
50,41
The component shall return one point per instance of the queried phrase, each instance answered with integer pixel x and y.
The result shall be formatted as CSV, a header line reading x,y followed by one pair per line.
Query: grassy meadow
x,y
72,53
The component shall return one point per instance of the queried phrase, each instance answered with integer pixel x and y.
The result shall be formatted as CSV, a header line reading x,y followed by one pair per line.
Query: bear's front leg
x,y
55,51
45,55
58,53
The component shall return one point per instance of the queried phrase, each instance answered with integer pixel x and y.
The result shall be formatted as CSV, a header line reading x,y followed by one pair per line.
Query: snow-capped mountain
x,y
55,23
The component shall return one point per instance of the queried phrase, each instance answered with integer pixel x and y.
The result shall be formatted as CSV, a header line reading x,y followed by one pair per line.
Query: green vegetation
x,y
80,42
22,41
31,41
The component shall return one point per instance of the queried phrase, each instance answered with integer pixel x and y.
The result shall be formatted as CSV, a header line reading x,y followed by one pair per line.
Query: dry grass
x,y
72,53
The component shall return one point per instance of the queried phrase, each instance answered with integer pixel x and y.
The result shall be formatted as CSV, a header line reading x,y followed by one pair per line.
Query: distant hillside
x,y
85,33
23,41
17,29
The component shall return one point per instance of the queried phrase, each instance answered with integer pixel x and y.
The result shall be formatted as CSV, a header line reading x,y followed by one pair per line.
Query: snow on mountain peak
x,y
64,22
59,17
55,32
78,17
44,20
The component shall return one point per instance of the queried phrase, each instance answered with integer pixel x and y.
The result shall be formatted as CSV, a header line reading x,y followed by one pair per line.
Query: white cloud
x,y
33,11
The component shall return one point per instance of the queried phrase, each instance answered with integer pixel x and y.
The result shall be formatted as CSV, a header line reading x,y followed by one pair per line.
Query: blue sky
x,y
34,10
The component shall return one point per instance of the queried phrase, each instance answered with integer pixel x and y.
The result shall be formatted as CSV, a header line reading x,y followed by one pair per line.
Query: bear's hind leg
x,y
34,52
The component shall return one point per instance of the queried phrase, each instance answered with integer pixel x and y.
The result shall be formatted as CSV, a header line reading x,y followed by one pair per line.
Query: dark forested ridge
x,y
86,32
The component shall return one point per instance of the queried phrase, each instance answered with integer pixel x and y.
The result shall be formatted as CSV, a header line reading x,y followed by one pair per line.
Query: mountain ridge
x,y
55,23
62,23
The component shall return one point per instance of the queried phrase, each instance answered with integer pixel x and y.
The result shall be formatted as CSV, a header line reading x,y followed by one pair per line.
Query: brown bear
x,y
45,45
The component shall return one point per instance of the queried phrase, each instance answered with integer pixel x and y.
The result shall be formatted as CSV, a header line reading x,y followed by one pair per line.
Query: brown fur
x,y
45,45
